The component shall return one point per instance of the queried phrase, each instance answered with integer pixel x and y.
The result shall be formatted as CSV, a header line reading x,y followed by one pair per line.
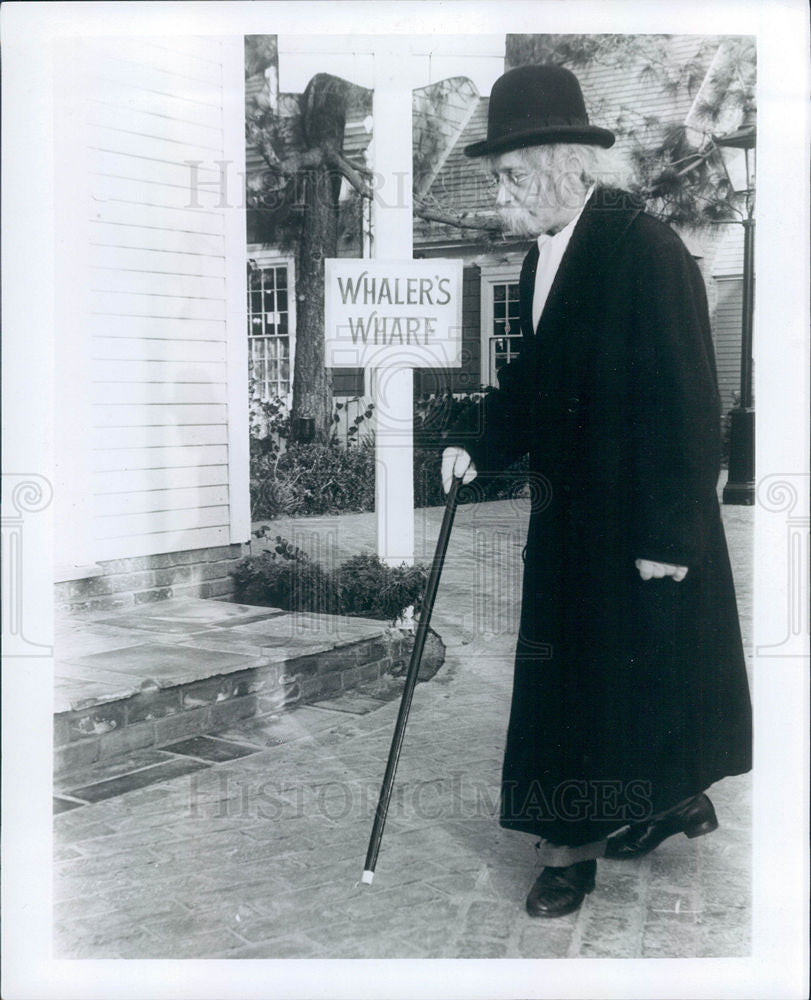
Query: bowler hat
x,y
535,105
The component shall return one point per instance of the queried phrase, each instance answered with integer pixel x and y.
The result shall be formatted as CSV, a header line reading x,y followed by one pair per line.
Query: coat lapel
x,y
526,286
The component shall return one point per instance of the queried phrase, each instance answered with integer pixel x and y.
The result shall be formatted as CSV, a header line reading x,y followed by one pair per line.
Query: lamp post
x,y
738,155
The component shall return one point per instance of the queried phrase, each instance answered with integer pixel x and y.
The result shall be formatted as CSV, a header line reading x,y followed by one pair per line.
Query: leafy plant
x,y
368,587
285,577
313,479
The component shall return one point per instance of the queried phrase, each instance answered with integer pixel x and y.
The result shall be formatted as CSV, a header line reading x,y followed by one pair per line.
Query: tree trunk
x,y
312,383
323,109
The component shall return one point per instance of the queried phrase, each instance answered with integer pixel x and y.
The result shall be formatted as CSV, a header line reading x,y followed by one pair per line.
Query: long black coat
x,y
629,695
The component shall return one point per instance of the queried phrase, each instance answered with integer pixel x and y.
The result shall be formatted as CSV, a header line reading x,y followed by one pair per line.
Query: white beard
x,y
518,222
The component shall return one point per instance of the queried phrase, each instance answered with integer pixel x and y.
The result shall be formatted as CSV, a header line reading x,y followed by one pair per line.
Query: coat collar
x,y
604,221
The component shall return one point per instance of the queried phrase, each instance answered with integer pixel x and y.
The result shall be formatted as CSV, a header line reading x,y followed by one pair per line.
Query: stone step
x,y
181,668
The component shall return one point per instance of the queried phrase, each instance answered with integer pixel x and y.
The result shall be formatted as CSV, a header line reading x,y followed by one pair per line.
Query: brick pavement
x,y
259,856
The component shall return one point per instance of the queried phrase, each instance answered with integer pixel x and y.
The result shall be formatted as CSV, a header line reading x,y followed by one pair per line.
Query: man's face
x,y
530,199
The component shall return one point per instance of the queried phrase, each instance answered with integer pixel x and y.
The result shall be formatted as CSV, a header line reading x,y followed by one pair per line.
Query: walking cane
x,y
410,684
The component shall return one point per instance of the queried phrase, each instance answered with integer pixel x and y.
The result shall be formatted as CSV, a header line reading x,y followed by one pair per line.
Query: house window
x,y
270,327
501,325
505,334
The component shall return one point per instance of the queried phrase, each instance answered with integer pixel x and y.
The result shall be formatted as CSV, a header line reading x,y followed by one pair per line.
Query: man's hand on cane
x,y
457,462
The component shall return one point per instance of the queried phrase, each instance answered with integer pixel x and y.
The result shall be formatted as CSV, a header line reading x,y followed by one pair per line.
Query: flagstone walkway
x,y
258,851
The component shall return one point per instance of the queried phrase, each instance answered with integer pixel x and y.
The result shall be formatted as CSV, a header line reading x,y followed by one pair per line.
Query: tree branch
x,y
352,172
313,157
465,220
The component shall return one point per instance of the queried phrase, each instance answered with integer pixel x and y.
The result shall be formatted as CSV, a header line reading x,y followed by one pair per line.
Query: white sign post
x,y
384,331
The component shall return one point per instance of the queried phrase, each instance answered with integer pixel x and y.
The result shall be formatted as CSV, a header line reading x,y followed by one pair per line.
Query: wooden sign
x,y
393,313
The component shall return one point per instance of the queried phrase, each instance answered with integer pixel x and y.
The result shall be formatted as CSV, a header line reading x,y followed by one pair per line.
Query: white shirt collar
x,y
564,234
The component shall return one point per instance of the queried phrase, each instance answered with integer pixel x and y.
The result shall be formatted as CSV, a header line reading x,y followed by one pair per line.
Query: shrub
x,y
285,577
313,479
369,588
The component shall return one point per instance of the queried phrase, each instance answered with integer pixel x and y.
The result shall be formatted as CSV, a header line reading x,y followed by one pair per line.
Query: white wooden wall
x,y
727,271
151,336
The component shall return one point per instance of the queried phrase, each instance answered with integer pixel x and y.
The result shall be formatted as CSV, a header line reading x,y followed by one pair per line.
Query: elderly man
x,y
630,695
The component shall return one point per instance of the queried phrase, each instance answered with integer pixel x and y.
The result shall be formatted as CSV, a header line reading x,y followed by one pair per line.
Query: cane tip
x,y
366,878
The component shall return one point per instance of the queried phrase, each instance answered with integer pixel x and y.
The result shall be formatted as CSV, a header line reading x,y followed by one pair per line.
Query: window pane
x,y
499,308
513,291
268,330
499,292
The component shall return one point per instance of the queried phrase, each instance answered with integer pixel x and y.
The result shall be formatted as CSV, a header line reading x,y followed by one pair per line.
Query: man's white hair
x,y
587,164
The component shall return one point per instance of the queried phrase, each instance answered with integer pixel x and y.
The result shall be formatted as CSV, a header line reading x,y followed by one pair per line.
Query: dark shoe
x,y
558,891
694,819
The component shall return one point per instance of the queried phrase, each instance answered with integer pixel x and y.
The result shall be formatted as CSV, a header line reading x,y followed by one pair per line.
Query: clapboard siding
x,y
196,49
728,260
160,80
147,501
126,415
155,125
154,522
116,439
130,482
131,212
168,306
727,335
132,166
157,277
159,458
119,234
168,372
165,540
156,262
148,393
119,93
108,187
154,349
161,55
116,140
156,283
